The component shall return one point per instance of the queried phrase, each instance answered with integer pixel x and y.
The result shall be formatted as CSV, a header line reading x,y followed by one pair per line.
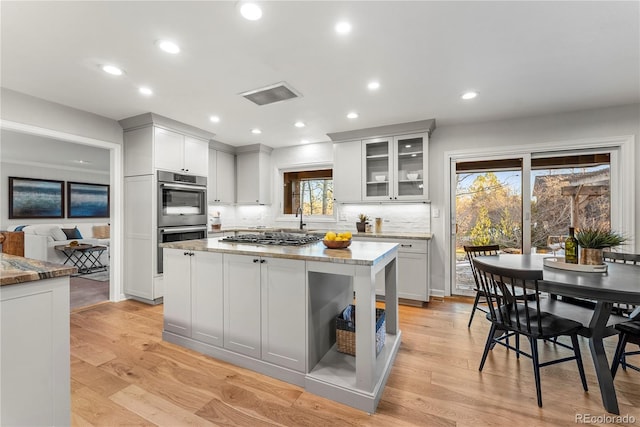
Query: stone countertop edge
x,y
359,253
16,269
384,235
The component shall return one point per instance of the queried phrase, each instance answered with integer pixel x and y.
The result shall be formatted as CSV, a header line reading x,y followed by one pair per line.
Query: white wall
x,y
44,172
21,108
606,122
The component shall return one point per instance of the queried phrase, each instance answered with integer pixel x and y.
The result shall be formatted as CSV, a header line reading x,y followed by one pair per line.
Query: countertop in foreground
x,y
15,269
359,253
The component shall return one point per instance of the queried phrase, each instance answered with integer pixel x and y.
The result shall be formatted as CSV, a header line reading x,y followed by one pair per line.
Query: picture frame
x,y
86,200
35,198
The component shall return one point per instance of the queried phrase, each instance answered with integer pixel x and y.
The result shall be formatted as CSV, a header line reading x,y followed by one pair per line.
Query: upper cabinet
x,y
395,168
180,153
347,172
222,177
254,175
154,142
389,168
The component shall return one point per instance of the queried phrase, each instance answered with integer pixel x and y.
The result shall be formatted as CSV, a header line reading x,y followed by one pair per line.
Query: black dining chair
x,y
481,250
524,317
622,258
472,252
629,331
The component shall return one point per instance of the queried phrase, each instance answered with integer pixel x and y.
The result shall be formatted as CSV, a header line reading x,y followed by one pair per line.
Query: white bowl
x,y
380,178
412,176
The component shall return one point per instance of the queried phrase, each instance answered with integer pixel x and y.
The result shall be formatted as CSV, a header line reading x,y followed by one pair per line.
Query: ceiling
x,y
524,58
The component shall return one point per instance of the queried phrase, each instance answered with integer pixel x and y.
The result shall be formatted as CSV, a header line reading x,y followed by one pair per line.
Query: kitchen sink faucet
x,y
299,211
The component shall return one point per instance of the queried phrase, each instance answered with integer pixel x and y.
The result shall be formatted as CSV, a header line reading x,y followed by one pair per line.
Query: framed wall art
x,y
86,200
35,198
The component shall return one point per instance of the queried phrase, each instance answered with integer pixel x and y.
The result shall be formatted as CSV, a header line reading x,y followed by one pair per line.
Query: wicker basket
x,y
346,331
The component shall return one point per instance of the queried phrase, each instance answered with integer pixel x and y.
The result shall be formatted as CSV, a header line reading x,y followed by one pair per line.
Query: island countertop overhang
x,y
358,253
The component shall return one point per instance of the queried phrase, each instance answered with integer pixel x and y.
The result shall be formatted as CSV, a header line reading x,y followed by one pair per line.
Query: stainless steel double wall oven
x,y
182,208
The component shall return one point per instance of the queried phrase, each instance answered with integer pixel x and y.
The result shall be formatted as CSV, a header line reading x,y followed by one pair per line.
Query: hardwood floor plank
x,y
156,409
124,374
100,411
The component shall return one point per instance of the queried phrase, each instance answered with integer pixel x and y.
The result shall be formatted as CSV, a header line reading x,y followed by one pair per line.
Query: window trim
x,y
280,202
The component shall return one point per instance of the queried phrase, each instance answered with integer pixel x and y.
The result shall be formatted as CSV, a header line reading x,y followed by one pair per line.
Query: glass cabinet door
x,y
377,168
410,166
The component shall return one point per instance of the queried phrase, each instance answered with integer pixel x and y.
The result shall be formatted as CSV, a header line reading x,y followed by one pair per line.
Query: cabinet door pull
x,y
262,261
256,260
405,246
192,253
186,253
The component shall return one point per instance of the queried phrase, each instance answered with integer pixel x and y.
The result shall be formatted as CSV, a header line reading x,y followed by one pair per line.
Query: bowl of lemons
x,y
334,240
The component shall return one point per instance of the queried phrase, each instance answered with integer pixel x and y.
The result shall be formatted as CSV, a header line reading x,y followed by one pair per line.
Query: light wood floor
x,y
122,373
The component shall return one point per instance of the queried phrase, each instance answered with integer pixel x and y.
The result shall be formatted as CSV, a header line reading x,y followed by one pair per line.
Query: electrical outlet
x,y
343,216
436,213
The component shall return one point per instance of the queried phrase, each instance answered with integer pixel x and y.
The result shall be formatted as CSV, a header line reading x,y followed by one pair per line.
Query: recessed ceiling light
x,y
407,146
373,85
352,115
214,119
469,95
304,141
250,11
145,91
82,162
112,69
168,46
256,131
343,27
299,124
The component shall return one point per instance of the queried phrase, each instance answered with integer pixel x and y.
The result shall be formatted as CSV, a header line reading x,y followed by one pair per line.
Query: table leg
x,y
603,371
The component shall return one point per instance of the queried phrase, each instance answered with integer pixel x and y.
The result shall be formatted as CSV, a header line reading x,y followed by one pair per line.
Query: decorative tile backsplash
x,y
405,217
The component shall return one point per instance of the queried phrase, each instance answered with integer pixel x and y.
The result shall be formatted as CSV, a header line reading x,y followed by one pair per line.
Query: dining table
x,y
619,284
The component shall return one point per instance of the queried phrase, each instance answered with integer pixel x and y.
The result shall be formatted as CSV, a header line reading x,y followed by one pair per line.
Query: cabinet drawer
x,y
406,245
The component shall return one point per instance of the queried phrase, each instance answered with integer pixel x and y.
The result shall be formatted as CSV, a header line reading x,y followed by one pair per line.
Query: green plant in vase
x,y
361,226
593,240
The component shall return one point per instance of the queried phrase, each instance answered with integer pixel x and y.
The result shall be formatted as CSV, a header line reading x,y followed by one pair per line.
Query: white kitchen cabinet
x,y
34,350
413,268
254,177
140,239
395,168
177,291
207,302
242,304
154,142
193,303
221,186
257,292
180,153
347,171
284,288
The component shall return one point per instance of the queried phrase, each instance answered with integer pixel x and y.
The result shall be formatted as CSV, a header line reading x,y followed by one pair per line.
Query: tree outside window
x,y
312,190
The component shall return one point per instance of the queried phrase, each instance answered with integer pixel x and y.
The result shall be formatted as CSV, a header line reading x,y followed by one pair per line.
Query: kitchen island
x,y
272,309
34,342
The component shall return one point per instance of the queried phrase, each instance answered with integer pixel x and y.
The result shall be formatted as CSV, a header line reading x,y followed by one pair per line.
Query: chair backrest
x,y
474,251
500,285
621,257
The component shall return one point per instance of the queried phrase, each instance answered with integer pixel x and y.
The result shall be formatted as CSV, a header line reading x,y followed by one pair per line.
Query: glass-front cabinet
x,y
395,168
377,168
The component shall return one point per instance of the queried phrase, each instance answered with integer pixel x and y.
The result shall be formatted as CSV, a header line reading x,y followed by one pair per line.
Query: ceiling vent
x,y
272,93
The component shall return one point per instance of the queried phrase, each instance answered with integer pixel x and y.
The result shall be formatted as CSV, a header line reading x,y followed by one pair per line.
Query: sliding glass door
x,y
525,204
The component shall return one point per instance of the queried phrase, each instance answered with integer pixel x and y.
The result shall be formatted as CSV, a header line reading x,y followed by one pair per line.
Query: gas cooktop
x,y
278,239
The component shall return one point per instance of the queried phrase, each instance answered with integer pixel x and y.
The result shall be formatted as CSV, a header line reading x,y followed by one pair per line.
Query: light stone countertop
x,y
359,253
383,235
16,269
